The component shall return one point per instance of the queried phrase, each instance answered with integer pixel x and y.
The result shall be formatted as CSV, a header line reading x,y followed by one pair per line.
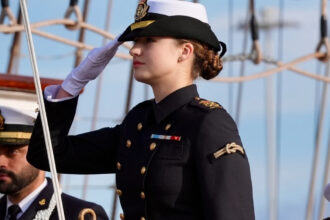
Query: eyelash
x,y
150,40
13,152
145,40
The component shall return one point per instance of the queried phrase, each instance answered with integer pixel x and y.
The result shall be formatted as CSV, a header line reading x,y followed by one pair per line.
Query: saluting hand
x,y
90,67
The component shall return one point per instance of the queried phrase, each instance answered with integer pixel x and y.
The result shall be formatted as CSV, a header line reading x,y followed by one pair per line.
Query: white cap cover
x,y
175,7
16,125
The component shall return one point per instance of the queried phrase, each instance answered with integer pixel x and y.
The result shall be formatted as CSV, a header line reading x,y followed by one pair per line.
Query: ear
x,y
187,52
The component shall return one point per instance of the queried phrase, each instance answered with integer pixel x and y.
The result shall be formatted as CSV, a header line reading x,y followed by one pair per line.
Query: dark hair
x,y
207,62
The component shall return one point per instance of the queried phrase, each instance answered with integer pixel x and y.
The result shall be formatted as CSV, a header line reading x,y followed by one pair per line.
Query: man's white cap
x,y
16,125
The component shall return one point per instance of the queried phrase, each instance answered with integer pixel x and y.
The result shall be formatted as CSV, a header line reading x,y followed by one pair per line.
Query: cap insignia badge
x,y
42,202
142,10
209,104
2,122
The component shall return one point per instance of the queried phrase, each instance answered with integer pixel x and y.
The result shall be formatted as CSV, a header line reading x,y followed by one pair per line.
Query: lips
x,y
137,63
3,176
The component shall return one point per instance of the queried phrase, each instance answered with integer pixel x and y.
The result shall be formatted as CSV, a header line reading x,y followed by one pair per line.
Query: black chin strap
x,y
223,48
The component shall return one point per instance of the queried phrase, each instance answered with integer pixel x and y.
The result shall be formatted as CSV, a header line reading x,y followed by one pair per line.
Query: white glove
x,y
90,67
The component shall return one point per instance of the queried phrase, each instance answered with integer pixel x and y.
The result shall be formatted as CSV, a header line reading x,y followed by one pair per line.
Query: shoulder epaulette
x,y
206,104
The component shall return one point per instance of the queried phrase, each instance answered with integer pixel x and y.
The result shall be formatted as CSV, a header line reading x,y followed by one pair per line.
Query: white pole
x,y
42,110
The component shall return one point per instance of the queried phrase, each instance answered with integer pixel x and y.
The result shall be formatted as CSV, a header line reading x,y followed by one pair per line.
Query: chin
x,y
140,77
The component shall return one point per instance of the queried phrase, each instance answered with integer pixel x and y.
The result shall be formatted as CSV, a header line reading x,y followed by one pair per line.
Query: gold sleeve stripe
x,y
15,134
141,24
228,149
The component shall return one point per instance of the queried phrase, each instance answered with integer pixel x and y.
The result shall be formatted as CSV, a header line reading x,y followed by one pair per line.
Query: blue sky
x,y
299,100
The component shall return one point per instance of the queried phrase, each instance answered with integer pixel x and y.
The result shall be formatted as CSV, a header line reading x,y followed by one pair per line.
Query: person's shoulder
x,y
205,105
74,201
71,204
208,109
212,113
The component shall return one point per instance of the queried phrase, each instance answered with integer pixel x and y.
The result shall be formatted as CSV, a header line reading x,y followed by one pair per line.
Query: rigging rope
x,y
281,66
325,180
9,29
45,127
323,42
230,49
278,104
6,12
256,51
241,72
74,9
241,57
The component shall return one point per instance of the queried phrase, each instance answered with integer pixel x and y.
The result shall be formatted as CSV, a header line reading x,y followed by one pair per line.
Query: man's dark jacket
x,y
72,206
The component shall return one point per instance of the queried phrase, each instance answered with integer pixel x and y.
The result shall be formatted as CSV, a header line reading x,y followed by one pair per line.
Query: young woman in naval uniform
x,y
177,156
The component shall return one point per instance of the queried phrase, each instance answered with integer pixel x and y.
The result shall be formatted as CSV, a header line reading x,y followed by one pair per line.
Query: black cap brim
x,y
178,27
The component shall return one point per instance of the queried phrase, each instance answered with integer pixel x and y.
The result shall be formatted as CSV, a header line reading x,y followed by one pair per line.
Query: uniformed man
x,y
27,193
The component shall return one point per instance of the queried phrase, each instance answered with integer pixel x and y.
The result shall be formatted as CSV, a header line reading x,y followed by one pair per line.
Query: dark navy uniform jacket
x,y
71,205
163,157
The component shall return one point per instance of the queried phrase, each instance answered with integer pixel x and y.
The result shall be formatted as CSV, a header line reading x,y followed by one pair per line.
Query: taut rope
x,y
37,83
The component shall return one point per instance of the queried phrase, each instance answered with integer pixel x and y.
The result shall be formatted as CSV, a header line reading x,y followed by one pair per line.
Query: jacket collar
x,y
3,206
173,101
41,201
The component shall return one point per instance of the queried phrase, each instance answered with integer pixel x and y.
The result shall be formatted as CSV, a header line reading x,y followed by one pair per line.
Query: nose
x,y
135,50
3,161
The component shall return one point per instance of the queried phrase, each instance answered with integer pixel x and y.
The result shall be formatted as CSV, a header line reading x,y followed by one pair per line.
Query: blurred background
x,y
283,116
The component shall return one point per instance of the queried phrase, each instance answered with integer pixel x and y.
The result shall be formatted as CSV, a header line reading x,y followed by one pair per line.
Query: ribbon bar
x,y
165,137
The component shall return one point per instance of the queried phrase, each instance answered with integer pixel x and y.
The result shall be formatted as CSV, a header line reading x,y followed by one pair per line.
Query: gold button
x,y
122,217
167,127
142,195
119,192
128,143
118,166
139,126
153,146
142,218
143,170
197,98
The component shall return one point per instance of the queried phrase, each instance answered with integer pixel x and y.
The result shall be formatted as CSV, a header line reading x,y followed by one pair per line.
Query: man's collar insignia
x,y
42,202
2,122
142,10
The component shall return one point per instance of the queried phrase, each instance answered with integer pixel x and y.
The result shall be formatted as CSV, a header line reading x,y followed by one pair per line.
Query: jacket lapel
x,y
40,203
3,206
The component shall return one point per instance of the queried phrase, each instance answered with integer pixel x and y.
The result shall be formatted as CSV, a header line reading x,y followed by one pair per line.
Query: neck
x,y
163,90
19,196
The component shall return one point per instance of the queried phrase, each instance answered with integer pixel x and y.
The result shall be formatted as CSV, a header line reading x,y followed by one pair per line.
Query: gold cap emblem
x,y
42,202
142,10
2,122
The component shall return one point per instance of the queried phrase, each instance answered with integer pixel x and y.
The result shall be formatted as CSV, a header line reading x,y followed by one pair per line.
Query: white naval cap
x,y
173,18
175,7
16,125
